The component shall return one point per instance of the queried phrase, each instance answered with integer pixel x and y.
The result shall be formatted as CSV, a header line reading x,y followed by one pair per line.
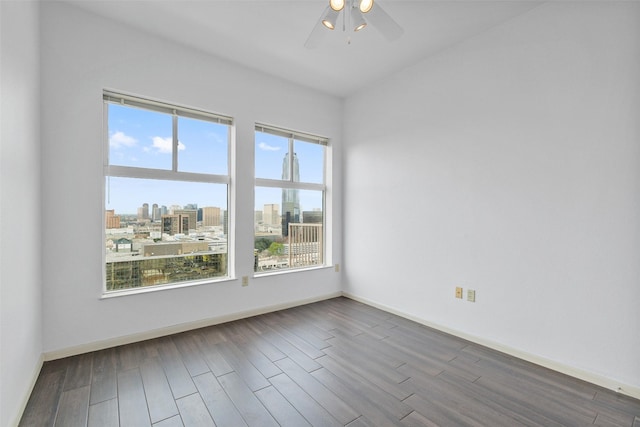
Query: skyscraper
x,y
143,212
290,197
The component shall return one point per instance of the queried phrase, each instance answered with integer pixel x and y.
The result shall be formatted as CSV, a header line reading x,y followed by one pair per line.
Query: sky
x,y
141,138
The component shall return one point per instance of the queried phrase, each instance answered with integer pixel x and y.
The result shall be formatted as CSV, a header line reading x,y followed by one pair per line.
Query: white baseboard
x,y
25,398
183,327
583,375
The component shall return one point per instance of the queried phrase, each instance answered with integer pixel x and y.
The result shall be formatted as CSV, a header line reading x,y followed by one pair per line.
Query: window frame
x,y
293,136
173,174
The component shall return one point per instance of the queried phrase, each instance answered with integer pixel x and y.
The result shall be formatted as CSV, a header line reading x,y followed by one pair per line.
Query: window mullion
x,y
274,183
164,175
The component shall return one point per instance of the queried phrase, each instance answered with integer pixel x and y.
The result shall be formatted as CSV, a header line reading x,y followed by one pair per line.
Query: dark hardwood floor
x,y
333,363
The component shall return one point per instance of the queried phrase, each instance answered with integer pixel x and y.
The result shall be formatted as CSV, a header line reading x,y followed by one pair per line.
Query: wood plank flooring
x,y
332,363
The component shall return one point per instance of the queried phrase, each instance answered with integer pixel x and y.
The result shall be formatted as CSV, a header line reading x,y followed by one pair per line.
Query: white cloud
x,y
216,138
164,145
120,139
266,147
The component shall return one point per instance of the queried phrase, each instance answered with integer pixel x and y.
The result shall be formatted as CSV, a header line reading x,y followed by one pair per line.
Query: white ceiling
x,y
269,35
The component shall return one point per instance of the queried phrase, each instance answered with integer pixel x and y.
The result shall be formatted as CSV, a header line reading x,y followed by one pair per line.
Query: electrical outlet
x,y
245,280
471,295
337,268
459,292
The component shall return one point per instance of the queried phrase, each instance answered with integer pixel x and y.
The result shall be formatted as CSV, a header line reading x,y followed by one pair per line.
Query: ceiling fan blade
x,y
317,34
384,23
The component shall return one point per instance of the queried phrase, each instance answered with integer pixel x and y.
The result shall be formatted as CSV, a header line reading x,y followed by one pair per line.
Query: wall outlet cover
x,y
471,295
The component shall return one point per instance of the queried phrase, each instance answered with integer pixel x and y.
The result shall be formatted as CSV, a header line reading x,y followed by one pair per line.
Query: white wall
x,y
20,271
509,164
81,55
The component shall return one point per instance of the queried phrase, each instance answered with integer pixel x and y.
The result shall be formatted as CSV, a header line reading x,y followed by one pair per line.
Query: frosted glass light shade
x,y
366,5
336,5
357,20
330,19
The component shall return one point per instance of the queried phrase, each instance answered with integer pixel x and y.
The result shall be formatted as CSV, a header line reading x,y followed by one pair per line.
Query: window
x,y
166,194
289,199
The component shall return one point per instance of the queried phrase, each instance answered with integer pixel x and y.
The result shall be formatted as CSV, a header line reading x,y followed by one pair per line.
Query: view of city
x,y
288,237
163,245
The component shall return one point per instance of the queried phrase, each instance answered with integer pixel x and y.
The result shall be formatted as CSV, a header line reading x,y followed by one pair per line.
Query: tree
x,y
262,244
276,248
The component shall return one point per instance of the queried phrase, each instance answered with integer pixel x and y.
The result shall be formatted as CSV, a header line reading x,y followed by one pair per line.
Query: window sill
x,y
289,271
147,289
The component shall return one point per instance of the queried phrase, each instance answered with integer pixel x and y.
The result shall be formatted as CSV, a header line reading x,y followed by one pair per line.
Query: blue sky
x,y
142,138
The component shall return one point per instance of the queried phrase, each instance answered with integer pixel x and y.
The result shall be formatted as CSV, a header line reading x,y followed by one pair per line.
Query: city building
x,y
112,220
123,245
179,248
176,224
271,214
143,212
192,214
211,216
312,217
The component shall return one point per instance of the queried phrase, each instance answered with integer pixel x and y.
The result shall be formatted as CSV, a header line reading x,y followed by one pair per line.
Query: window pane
x,y
271,156
309,162
288,228
139,138
160,232
202,146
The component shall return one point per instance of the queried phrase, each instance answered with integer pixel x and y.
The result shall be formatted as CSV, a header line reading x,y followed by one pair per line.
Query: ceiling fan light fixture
x,y
365,5
336,5
330,19
357,20
356,15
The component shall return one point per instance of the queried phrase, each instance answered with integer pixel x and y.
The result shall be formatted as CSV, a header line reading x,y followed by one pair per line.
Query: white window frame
x,y
173,174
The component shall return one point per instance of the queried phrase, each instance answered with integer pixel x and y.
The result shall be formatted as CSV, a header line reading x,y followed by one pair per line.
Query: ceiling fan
x,y
355,14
